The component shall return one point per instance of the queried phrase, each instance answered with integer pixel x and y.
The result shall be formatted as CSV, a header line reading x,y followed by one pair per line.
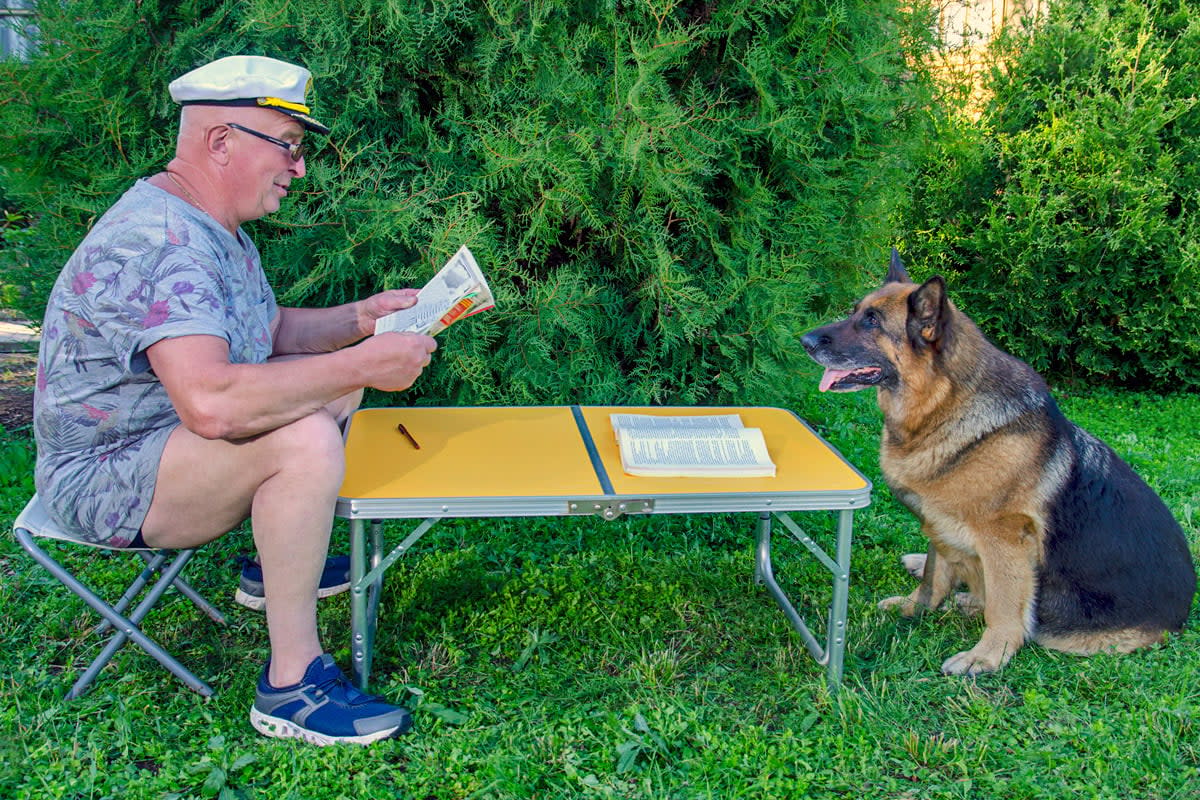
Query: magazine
x,y
457,291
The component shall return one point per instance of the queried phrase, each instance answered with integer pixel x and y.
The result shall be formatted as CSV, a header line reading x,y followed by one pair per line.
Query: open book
x,y
715,446
458,290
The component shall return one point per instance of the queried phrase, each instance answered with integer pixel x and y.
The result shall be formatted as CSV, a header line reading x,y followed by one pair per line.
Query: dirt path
x,y
17,373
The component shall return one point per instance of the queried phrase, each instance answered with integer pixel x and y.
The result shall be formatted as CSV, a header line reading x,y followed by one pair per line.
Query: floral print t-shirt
x,y
151,268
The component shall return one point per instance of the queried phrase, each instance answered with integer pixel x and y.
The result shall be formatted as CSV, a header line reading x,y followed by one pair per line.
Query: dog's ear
x,y
896,272
928,314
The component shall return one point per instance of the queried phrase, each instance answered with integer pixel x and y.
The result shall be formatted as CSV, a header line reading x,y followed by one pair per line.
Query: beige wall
x,y
965,27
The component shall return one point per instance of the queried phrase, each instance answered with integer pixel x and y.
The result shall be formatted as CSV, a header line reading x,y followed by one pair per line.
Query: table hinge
x,y
610,509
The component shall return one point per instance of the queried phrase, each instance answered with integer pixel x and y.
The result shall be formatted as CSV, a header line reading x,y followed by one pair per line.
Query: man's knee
x,y
313,445
344,406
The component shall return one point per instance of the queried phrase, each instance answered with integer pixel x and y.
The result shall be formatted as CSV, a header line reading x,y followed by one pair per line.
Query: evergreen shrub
x,y
1065,217
662,193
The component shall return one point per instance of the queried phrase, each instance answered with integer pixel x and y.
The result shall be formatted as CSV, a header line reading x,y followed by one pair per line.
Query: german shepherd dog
x,y
1055,537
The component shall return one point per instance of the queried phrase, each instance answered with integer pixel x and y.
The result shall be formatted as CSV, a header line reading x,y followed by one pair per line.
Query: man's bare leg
x,y
286,481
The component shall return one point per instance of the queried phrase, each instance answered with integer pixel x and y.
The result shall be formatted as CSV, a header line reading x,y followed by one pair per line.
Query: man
x,y
175,398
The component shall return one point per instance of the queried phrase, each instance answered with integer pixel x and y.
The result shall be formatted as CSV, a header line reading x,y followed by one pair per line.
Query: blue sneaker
x,y
325,708
335,579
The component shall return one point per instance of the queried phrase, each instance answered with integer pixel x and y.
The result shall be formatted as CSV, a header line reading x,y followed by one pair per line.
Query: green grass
x,y
627,659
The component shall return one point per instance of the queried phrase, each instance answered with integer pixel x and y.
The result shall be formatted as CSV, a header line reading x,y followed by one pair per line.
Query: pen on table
x,y
408,436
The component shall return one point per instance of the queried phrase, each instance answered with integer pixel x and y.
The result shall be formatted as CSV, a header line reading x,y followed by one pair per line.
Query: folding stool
x,y
33,522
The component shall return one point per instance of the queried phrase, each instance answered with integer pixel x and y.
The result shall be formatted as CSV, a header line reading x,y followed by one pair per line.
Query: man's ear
x,y
216,143
928,314
896,272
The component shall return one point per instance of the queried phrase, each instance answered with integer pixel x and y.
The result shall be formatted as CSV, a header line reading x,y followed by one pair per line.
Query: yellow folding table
x,y
548,461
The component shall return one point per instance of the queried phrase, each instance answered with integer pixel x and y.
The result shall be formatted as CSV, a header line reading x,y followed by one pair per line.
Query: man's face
x,y
262,171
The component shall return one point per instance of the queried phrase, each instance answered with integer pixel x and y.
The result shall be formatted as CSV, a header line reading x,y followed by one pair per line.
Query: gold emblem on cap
x,y
275,101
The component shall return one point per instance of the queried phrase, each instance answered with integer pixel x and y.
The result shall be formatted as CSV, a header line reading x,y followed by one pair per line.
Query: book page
x,y
663,426
732,453
458,290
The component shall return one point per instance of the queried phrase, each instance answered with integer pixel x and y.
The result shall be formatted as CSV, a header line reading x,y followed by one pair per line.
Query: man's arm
x,y
219,400
323,330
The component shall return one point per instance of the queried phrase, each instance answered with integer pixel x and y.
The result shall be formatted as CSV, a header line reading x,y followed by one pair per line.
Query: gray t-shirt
x,y
152,268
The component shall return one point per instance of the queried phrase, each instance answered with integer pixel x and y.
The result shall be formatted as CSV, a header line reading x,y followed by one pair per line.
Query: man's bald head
x,y
199,123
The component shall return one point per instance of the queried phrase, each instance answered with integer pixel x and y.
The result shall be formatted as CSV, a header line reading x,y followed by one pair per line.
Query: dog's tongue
x,y
832,376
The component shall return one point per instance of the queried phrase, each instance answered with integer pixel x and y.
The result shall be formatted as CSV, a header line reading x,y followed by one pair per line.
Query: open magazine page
x,y
458,290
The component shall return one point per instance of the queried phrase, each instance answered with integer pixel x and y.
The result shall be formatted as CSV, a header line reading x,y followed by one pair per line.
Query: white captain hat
x,y
249,81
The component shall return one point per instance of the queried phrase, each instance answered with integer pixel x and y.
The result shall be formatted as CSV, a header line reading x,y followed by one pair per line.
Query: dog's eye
x,y
870,320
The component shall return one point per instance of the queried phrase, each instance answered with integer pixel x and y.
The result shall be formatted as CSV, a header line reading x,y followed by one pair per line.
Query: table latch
x,y
610,509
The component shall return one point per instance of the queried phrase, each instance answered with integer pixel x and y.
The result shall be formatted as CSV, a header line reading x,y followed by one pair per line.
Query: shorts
x,y
102,498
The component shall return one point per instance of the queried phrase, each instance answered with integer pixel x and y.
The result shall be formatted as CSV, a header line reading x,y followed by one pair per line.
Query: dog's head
x,y
889,330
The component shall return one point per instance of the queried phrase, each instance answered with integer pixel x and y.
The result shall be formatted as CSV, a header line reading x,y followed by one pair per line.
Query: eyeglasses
x,y
295,150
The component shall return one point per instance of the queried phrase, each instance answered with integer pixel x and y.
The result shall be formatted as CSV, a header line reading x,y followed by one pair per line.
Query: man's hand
x,y
380,305
395,360
323,330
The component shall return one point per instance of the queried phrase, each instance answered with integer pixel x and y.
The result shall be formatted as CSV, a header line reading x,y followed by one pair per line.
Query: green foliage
x,y
662,193
1065,217
635,658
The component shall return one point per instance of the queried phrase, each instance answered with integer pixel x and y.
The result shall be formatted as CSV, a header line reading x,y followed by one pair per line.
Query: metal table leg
x,y
366,587
361,641
832,653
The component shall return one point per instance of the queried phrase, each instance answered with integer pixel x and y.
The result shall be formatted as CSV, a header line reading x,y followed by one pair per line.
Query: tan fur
x,y
969,448
984,522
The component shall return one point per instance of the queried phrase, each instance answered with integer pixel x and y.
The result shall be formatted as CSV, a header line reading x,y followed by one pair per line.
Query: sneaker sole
x,y
278,728
256,603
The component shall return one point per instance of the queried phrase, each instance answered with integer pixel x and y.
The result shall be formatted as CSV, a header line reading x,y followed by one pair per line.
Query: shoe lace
x,y
349,691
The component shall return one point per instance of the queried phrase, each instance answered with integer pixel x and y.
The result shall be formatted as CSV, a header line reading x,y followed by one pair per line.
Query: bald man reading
x,y
175,398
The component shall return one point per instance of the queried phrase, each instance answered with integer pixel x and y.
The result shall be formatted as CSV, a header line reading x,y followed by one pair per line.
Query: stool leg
x,y
153,565
127,628
208,608
185,589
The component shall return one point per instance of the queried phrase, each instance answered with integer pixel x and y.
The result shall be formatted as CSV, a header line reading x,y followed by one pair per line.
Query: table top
x,y
536,460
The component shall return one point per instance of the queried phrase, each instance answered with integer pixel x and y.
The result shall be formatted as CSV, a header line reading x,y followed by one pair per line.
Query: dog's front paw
x,y
979,659
904,603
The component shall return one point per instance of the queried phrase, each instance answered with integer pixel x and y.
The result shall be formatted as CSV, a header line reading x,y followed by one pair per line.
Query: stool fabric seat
x,y
34,523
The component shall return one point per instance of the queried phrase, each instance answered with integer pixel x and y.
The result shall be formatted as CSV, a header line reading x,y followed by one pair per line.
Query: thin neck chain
x,y
190,197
